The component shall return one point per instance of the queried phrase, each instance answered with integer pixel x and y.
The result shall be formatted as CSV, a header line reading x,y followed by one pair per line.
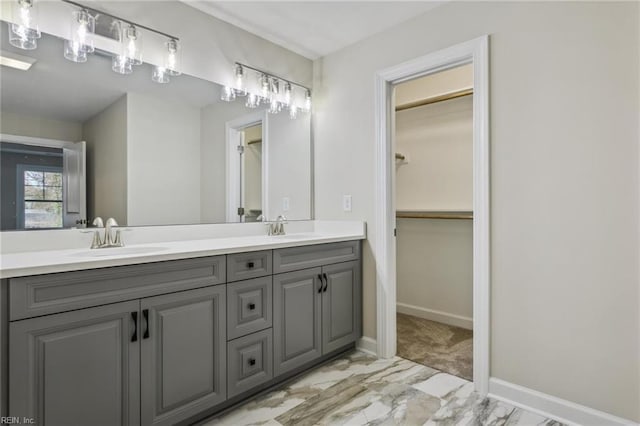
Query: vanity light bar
x,y
275,91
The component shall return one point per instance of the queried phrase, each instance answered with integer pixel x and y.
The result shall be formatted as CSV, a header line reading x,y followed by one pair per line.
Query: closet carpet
x,y
436,345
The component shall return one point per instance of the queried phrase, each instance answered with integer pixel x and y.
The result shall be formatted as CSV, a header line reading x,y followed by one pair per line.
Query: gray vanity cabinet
x,y
183,353
297,308
77,368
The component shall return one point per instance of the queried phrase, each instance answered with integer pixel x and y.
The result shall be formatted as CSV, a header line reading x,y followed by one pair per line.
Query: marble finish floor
x,y
436,345
359,389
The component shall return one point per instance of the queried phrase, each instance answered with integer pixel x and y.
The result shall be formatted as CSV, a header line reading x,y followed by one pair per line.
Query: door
x,y
296,319
183,354
77,368
74,185
341,305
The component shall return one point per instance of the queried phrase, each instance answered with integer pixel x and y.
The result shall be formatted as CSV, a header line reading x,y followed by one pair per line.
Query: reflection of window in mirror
x,y
40,196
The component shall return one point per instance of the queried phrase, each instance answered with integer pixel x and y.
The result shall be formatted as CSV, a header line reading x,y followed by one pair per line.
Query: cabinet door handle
x,y
134,318
326,282
252,306
145,314
321,283
250,264
252,361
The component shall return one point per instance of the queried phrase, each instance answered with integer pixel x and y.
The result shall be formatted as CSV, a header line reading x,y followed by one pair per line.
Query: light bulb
x,y
293,112
23,32
160,75
173,57
121,65
252,101
240,85
228,94
307,101
287,94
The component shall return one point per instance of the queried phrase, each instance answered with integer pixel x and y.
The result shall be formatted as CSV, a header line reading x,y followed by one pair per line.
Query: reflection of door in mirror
x,y
246,170
251,173
42,184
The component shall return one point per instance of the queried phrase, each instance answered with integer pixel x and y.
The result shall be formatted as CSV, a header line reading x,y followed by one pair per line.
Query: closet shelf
x,y
433,214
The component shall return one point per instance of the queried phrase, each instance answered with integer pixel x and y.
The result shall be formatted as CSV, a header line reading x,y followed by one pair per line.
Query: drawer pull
x,y
326,282
134,317
252,306
250,264
252,361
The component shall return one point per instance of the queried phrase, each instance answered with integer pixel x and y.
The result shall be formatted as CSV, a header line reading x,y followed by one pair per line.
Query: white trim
x,y
232,165
367,345
550,406
477,52
28,140
434,315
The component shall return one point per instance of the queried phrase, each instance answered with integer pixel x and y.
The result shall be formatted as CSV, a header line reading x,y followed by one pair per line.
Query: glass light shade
x,y
240,85
253,101
173,58
132,45
74,51
293,112
274,106
287,94
265,86
160,75
228,94
307,101
81,42
121,65
24,32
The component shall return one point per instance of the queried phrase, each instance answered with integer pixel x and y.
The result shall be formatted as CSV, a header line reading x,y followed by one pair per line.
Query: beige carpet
x,y
436,345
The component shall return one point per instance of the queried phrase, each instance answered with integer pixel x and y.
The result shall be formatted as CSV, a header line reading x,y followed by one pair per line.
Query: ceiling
x,y
312,28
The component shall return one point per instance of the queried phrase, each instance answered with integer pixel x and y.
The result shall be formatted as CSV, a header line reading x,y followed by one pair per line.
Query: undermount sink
x,y
117,251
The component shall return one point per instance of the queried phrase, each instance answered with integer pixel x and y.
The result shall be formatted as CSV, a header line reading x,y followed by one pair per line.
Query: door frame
x,y
232,187
474,51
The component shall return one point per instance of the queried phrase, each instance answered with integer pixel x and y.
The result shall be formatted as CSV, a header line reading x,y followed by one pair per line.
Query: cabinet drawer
x,y
249,306
242,266
46,294
295,258
250,362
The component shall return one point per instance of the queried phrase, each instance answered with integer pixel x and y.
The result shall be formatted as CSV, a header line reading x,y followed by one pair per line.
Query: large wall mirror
x,y
80,141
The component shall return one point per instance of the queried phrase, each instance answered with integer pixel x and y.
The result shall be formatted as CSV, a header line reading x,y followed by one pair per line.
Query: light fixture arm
x,y
117,18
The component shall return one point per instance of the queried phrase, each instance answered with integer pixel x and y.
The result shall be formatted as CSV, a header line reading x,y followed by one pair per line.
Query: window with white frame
x,y
39,196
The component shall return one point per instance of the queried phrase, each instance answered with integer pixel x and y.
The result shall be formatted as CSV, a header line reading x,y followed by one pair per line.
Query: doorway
x,y
473,52
434,220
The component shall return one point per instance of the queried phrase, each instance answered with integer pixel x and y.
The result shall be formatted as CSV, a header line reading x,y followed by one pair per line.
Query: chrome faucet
x,y
108,240
277,227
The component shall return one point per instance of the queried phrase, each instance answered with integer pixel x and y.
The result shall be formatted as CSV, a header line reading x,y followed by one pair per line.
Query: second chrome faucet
x,y
108,240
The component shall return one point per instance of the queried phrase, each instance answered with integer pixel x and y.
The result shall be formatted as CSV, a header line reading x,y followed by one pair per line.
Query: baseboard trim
x,y
552,407
433,315
367,345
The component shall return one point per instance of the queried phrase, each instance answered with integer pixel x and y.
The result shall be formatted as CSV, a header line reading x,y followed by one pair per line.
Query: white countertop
x,y
62,260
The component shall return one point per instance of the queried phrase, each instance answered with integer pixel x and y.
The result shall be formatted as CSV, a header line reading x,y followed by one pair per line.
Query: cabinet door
x,y
341,305
183,359
77,368
296,319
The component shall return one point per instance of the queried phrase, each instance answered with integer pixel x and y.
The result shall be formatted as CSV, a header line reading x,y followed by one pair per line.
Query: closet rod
x,y
254,141
409,214
435,99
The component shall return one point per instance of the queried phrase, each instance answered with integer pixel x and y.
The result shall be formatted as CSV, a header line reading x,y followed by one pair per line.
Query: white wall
x,y
564,181
106,137
437,142
163,162
38,127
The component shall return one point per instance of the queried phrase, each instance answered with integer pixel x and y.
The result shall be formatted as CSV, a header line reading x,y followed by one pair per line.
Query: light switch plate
x,y
346,203
285,204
